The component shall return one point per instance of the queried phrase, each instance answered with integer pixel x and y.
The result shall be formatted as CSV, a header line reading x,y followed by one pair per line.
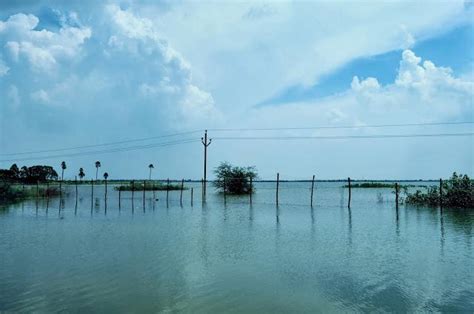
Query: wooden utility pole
x,y
206,143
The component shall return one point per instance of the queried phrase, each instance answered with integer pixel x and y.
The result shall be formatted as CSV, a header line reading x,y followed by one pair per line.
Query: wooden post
x,y
120,195
75,181
106,190
396,195
133,189
251,190
144,189
312,191
181,194
225,187
192,196
167,190
92,194
440,193
60,189
278,186
350,193
202,190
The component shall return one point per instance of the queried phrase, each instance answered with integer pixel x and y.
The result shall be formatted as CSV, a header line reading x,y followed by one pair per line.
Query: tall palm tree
x,y
63,167
81,173
106,175
97,166
151,167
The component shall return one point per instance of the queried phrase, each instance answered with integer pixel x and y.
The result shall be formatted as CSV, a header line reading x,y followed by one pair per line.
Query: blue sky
x,y
75,73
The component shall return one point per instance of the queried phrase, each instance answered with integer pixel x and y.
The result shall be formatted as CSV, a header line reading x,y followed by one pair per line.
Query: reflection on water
x,y
142,255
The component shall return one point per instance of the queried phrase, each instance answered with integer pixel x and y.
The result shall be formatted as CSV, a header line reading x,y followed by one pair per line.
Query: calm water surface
x,y
89,256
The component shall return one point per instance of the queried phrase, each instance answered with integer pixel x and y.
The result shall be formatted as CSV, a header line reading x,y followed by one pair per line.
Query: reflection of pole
x,y
206,143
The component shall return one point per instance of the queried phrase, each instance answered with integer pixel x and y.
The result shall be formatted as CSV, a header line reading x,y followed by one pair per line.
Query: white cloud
x,y
42,49
3,67
40,96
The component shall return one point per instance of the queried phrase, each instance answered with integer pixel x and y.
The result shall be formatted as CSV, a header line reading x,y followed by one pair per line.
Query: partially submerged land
x,y
17,184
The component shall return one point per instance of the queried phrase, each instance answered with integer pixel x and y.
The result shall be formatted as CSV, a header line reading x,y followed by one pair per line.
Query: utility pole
x,y
206,143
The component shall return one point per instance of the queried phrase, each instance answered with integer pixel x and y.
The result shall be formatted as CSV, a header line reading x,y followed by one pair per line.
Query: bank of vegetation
x,y
457,192
378,185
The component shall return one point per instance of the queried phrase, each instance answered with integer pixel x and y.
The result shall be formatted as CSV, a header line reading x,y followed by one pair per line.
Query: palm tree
x,y
63,167
81,173
106,175
97,166
151,167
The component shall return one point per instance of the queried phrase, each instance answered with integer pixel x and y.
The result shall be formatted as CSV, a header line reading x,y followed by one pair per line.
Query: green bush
x,y
457,192
233,179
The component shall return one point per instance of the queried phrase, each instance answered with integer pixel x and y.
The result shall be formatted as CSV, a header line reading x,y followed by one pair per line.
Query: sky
x,y
131,83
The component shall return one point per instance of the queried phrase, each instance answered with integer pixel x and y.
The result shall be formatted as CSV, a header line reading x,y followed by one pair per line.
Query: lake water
x,y
213,258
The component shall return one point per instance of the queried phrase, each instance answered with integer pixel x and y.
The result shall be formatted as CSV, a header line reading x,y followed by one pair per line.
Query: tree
x,y
15,171
81,173
151,167
233,179
63,167
106,175
97,166
40,174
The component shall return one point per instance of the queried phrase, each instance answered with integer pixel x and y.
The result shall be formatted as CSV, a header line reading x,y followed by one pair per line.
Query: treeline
x,y
28,175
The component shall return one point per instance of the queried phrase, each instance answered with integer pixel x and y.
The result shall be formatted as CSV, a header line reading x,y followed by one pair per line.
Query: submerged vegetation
x,y
234,179
9,192
457,192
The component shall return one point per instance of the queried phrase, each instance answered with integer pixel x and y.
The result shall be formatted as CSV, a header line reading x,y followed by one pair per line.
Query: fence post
x,y
144,189
167,190
440,193
396,195
120,195
251,190
277,188
350,193
192,196
60,189
92,194
75,182
225,197
133,189
312,191
181,194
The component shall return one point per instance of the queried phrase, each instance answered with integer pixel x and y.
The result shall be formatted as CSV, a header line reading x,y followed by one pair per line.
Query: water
x,y
212,258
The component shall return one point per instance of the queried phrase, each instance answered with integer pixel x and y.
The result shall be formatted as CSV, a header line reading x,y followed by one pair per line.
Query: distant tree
x,y
97,166
63,167
151,167
81,173
40,174
106,175
233,179
15,171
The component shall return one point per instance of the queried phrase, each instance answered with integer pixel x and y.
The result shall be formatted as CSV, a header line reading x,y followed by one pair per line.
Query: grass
x,y
12,193
375,185
148,187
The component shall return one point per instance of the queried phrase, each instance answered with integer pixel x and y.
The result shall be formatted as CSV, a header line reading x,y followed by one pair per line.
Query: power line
x,y
103,144
341,136
341,126
113,150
